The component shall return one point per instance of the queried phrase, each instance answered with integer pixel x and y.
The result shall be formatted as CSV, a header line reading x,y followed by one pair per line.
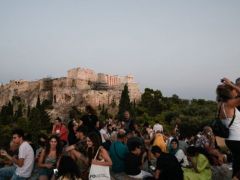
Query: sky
x,y
178,47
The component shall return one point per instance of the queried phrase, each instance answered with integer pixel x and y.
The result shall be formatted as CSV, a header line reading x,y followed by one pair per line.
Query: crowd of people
x,y
128,149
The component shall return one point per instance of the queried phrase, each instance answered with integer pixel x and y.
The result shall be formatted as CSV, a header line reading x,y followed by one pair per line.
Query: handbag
x,y
219,129
99,172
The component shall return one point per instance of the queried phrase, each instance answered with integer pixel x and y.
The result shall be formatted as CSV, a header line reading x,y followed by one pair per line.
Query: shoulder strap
x,y
97,152
226,114
232,118
223,107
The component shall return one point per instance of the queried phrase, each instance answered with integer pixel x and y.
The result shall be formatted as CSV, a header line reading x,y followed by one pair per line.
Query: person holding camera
x,y
228,101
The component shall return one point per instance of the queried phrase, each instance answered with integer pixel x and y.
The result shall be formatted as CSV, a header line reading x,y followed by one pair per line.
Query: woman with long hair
x,y
228,100
93,144
72,128
49,157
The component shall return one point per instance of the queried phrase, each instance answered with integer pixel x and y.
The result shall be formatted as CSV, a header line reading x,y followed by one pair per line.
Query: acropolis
x,y
81,86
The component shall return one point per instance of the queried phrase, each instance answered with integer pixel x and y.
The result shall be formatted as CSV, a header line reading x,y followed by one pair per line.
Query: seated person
x,y
199,165
168,167
178,153
207,142
78,151
118,151
133,162
68,169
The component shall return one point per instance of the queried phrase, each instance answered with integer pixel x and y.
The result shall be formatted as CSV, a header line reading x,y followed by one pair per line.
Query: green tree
x,y
19,112
6,115
35,123
152,101
124,104
38,104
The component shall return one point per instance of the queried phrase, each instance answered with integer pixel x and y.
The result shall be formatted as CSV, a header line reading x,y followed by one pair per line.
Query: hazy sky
x,y
179,47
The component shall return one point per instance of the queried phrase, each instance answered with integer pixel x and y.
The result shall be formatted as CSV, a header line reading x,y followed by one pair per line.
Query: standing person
x,y
25,160
60,130
128,122
90,120
227,99
48,158
237,82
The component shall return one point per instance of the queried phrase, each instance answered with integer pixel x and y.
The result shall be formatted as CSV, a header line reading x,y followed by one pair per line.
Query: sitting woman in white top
x,y
227,99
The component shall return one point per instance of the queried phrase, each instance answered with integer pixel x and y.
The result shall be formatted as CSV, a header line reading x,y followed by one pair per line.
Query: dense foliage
x,y
124,103
190,115
33,121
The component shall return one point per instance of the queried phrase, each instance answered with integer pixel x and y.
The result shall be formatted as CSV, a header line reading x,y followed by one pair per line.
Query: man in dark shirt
x,y
129,123
168,167
133,162
91,121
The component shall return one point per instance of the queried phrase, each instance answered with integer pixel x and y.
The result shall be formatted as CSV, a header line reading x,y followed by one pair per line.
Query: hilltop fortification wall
x,y
81,86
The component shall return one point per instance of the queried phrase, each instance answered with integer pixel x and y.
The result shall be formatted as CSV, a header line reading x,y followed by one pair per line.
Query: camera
x,y
152,168
55,172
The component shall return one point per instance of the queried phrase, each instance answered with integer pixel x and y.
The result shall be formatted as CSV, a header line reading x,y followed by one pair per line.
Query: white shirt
x,y
26,153
181,157
104,134
234,130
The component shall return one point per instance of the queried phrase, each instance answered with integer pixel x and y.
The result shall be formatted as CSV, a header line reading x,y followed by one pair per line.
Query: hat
x,y
157,127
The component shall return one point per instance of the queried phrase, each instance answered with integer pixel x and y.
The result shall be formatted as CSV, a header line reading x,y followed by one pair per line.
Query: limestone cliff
x,y
80,87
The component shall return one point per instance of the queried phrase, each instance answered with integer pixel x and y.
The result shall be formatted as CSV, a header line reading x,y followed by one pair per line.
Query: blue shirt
x,y
118,152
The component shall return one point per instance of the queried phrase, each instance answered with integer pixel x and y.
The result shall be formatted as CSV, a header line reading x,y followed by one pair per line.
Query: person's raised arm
x,y
230,83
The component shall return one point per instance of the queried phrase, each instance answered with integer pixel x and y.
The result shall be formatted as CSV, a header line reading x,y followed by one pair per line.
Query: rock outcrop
x,y
80,87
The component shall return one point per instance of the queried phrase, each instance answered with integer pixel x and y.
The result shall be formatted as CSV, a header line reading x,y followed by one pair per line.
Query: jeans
x,y
16,177
7,172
